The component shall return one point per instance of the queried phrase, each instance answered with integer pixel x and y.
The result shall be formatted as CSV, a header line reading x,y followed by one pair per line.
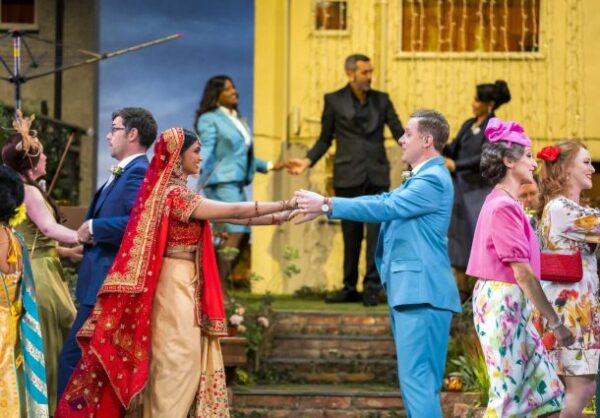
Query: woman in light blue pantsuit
x,y
227,152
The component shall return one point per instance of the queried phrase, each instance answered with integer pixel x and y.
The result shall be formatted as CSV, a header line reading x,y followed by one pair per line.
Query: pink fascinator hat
x,y
512,132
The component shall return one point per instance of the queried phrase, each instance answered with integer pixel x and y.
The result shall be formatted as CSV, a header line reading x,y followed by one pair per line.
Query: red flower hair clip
x,y
549,153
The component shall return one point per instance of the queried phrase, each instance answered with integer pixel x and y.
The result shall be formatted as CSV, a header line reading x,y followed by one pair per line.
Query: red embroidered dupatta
x,y
115,340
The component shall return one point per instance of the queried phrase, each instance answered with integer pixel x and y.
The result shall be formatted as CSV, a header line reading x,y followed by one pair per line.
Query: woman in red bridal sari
x,y
151,344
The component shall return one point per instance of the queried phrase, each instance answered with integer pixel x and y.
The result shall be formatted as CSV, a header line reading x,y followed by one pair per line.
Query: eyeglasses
x,y
114,129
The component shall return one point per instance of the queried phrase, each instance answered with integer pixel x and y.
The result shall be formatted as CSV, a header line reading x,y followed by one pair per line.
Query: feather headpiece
x,y
30,144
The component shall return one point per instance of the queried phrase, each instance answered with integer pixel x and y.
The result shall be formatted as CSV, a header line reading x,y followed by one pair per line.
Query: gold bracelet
x,y
256,208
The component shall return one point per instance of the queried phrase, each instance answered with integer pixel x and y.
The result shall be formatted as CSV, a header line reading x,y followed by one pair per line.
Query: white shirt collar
x,y
125,161
228,111
418,167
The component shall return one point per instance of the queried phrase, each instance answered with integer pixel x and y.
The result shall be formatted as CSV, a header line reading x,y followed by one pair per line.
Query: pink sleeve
x,y
508,234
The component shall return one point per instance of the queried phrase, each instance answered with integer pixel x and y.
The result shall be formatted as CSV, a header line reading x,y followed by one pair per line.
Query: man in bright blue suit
x,y
132,132
412,258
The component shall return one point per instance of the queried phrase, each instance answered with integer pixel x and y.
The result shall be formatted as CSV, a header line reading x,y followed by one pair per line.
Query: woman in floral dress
x,y
566,226
505,257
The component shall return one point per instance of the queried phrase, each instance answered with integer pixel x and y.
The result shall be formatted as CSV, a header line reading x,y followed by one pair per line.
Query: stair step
x,y
335,370
332,346
329,401
317,401
332,323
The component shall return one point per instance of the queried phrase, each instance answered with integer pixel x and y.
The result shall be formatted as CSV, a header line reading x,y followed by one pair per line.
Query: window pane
x,y
470,25
18,11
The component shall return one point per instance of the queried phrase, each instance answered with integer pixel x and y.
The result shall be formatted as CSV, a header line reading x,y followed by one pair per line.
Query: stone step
x,y
332,323
329,401
334,370
332,346
316,401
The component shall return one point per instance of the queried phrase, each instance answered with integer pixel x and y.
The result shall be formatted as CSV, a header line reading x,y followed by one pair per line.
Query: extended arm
x,y
224,211
392,120
40,215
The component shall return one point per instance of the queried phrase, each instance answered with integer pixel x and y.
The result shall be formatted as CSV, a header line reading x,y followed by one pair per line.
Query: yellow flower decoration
x,y
19,216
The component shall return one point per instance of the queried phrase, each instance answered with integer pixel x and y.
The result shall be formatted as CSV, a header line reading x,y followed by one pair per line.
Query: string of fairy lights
x,y
539,71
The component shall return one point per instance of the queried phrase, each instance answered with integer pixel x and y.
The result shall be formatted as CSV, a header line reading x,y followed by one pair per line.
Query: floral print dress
x,y
564,227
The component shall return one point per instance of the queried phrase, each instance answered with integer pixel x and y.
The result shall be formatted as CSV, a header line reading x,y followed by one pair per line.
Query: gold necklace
x,y
499,186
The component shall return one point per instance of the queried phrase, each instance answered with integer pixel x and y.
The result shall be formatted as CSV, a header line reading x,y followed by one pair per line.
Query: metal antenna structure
x,y
17,76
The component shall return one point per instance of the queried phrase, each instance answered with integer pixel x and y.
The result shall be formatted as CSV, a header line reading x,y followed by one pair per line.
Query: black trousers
x,y
353,233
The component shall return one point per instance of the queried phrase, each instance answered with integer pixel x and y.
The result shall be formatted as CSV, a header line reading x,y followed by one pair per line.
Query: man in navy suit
x,y
132,132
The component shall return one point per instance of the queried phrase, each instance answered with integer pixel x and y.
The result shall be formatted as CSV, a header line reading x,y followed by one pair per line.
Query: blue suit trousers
x,y
421,337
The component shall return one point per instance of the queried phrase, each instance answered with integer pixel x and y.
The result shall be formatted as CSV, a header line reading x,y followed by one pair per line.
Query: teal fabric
x,y
228,192
225,156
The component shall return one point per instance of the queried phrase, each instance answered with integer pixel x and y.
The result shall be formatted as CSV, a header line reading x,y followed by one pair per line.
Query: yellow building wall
x,y
554,94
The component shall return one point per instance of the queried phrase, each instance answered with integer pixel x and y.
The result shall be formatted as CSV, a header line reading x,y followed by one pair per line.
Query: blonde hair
x,y
554,174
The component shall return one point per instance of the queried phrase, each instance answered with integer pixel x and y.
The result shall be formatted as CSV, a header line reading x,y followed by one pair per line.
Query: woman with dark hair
x,y
42,232
569,226
22,374
228,157
505,258
159,315
470,188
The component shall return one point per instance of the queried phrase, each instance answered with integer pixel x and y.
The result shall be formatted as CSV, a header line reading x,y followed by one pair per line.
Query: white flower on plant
x,y
241,328
240,310
236,319
263,321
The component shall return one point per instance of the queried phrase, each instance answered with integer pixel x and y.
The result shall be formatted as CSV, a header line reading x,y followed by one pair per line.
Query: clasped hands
x,y
305,204
84,235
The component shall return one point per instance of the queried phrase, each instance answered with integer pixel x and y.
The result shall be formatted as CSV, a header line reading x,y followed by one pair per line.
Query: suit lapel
x,y
228,121
103,193
347,103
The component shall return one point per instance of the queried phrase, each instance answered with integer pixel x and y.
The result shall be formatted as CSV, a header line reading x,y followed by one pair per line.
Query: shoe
x,y
371,296
343,296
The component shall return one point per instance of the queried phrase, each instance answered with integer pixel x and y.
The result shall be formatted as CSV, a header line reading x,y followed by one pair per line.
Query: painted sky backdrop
x,y
168,79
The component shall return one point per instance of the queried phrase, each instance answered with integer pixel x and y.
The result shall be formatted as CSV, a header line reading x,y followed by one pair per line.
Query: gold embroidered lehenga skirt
x,y
186,367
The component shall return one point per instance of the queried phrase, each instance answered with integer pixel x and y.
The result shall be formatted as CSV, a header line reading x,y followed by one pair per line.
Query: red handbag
x,y
562,268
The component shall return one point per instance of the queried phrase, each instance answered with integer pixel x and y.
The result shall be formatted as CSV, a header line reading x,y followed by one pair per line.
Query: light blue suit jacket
x,y
412,249
225,155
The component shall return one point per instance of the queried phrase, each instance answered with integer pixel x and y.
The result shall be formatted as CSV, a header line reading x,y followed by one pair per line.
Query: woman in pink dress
x,y
505,257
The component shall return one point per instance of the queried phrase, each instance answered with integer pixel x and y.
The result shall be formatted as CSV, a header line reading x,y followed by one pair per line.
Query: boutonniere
x,y
530,213
116,170
405,175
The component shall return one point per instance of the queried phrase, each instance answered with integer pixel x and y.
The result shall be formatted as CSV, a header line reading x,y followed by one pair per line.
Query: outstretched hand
x,y
308,201
297,165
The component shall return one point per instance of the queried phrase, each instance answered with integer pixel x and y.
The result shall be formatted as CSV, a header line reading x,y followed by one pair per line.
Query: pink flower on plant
x,y
263,321
240,310
236,319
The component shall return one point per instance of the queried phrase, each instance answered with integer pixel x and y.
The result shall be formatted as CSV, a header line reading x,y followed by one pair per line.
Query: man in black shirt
x,y
355,116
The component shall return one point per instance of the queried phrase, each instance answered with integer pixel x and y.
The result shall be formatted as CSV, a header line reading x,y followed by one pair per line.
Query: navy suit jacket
x,y
110,212
412,251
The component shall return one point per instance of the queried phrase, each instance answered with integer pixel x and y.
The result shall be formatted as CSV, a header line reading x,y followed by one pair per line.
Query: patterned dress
x,y
523,380
566,226
22,374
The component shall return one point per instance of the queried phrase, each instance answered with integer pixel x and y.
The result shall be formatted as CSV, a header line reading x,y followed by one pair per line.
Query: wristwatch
x,y
325,207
